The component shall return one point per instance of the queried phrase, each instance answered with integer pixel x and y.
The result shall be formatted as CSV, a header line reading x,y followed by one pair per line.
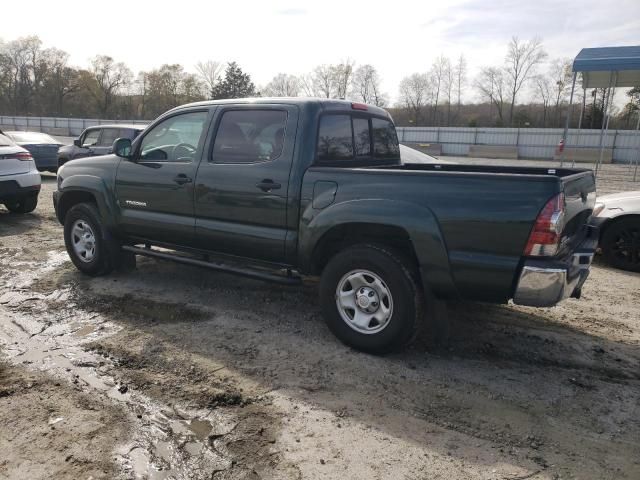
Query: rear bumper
x,y
546,282
12,189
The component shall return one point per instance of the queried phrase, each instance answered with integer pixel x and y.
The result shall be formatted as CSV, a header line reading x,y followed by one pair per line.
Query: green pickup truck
x,y
282,189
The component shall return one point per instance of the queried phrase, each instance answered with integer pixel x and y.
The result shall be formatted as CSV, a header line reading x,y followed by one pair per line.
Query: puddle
x,y
201,429
165,444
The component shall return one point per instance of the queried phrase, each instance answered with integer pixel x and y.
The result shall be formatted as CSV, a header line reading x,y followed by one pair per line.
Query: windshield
x,y
31,137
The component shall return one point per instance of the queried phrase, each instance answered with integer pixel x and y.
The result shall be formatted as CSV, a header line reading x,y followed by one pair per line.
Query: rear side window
x,y
249,136
108,136
335,141
385,139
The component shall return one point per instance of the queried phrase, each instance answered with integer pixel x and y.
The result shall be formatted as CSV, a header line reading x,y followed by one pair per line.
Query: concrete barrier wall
x,y
530,142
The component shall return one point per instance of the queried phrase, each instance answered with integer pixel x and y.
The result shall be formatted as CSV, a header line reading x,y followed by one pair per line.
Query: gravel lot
x,y
175,372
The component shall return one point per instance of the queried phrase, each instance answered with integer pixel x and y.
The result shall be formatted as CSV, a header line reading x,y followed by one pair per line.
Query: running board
x,y
245,272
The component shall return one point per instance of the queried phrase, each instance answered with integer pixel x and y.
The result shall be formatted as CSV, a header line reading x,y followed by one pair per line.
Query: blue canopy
x,y
600,67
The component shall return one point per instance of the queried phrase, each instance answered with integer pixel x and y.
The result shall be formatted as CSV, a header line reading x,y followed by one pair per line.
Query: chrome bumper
x,y
545,283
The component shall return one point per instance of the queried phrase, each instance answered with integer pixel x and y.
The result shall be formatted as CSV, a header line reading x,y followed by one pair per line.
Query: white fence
x,y
59,126
531,142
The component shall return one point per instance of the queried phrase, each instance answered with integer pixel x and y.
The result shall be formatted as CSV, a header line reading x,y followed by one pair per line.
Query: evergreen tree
x,y
236,84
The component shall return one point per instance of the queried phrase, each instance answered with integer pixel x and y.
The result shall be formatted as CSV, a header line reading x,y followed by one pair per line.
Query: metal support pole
x,y
604,126
635,173
584,100
569,111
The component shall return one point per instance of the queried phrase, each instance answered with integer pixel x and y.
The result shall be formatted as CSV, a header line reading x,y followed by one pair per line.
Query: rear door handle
x,y
181,179
267,185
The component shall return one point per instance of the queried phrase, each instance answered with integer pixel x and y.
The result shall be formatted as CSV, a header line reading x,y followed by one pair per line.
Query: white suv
x,y
19,177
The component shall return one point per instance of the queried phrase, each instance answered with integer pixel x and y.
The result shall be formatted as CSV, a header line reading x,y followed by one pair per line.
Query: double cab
x,y
285,188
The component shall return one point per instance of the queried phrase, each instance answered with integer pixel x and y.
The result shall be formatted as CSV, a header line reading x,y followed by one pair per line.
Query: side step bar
x,y
245,272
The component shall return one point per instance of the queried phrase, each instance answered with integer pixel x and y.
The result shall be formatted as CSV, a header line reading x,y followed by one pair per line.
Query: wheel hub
x,y
367,300
364,301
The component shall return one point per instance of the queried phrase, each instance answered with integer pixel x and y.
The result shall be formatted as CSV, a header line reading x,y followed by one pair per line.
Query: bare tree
x,y
491,84
110,77
414,93
366,86
210,72
282,85
448,83
560,76
342,74
322,81
520,64
543,92
460,72
437,74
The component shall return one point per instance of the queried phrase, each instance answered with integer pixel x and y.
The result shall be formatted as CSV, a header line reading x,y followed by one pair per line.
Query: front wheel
x,y
370,299
23,205
621,244
90,250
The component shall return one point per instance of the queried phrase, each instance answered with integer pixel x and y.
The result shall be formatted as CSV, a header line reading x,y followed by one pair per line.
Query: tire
x,y
23,205
84,230
621,244
361,269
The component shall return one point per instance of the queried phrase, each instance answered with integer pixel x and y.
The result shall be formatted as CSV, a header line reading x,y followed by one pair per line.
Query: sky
x,y
398,37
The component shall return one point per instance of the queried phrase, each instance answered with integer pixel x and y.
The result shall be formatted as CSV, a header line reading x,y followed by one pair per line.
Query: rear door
x,y
155,189
241,187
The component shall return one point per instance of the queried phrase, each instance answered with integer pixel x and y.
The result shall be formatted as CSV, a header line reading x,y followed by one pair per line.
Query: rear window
x,y
385,139
33,137
345,137
5,142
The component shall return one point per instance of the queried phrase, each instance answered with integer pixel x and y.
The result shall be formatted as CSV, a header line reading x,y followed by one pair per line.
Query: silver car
x,y
618,217
19,177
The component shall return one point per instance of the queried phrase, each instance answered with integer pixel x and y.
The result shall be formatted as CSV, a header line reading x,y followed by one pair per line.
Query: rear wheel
x,y
22,205
621,244
370,299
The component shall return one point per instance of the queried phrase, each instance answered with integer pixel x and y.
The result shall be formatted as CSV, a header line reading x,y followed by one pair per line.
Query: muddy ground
x,y
175,372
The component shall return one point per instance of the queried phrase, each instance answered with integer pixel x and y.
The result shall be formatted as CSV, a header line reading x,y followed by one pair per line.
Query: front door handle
x,y
181,179
267,185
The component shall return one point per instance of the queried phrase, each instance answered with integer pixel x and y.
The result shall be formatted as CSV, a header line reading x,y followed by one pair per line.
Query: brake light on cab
x,y
544,239
359,106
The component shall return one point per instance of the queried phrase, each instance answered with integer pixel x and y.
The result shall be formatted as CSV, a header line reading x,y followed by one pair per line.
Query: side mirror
x,y
77,143
122,147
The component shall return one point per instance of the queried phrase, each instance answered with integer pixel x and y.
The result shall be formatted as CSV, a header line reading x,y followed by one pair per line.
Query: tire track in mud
x,y
216,433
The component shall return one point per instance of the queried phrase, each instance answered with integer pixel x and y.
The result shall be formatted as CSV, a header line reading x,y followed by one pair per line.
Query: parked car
x,y
618,217
96,141
43,148
279,189
19,177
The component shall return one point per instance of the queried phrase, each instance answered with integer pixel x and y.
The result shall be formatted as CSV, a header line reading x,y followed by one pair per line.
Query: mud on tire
x,y
91,248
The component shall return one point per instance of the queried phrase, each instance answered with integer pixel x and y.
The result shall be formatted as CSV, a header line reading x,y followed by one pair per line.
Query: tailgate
x,y
580,197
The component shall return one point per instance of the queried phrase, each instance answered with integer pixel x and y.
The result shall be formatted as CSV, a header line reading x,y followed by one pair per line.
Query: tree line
x,y
40,81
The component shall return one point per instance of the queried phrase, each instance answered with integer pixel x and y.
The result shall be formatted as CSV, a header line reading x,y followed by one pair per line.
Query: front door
x,y
241,187
105,142
155,188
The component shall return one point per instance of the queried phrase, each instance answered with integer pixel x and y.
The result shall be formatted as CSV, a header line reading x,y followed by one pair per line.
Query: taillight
x,y
544,239
24,156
